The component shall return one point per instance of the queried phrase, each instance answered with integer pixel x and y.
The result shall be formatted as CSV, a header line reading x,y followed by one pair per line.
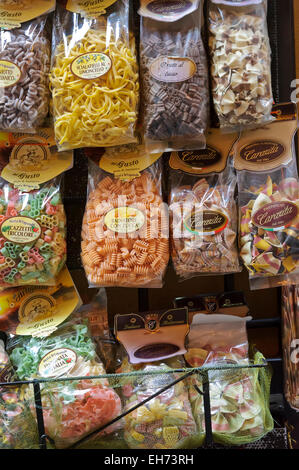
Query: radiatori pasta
x,y
125,230
94,80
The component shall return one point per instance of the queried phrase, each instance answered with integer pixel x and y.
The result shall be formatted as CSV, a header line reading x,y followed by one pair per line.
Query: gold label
x,y
129,165
89,8
91,66
172,69
20,230
12,16
10,74
124,219
57,363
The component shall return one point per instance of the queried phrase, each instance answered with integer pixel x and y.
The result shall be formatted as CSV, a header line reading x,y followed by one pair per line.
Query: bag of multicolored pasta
x,y
240,62
203,211
174,75
94,75
32,217
125,226
24,64
268,186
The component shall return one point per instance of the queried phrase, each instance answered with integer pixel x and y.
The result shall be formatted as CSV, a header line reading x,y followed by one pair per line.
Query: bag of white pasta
x,y
94,75
24,64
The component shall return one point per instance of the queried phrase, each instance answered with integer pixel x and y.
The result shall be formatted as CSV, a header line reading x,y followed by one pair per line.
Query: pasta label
x,y
167,10
172,69
57,363
261,152
275,216
128,166
206,222
10,74
89,8
124,220
91,66
12,16
20,230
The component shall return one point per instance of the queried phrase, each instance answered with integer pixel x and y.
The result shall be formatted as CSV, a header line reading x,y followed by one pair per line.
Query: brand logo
x,y
36,308
29,152
172,69
211,304
170,7
275,216
124,219
57,362
20,230
91,66
205,222
262,152
201,158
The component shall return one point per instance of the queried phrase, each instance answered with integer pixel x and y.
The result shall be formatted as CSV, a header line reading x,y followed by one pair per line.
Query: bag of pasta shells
x,y
25,31
94,75
203,212
125,225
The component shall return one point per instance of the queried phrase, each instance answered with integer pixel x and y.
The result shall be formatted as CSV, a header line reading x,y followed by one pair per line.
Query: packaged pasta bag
x,y
32,216
240,62
268,186
94,75
203,226
239,393
125,225
290,320
154,364
72,409
17,427
174,75
25,32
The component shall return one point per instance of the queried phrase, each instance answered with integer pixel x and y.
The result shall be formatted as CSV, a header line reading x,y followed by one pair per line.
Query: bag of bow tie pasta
x,y
174,76
240,62
268,187
24,64
94,74
32,217
125,226
203,209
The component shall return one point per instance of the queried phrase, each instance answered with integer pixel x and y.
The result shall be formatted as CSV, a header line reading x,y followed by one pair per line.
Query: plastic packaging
x,y
24,69
240,63
94,76
203,210
125,225
174,78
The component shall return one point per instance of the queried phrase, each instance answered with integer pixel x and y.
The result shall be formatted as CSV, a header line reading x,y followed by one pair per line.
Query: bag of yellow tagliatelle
x,y
94,74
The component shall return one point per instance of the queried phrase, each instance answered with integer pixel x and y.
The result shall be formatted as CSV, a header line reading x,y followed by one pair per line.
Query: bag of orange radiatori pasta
x,y
125,226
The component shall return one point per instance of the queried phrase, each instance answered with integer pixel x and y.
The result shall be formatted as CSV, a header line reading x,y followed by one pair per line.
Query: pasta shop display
x,y
32,217
268,201
240,62
203,209
24,64
94,76
125,225
174,76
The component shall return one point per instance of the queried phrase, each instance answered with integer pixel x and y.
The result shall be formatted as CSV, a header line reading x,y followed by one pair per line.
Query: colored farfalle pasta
x,y
94,80
32,235
125,230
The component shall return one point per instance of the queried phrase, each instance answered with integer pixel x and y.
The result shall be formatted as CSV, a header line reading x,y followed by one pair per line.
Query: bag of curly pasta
x,y
125,225
240,62
24,63
94,75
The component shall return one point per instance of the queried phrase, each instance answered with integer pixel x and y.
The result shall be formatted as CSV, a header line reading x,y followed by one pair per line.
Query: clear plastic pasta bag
x,y
94,76
290,340
24,65
174,77
268,188
203,212
125,225
75,408
17,427
240,63
166,421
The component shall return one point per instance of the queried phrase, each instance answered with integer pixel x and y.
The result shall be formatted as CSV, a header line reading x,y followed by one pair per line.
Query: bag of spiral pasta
x,y
125,225
24,63
94,74
203,211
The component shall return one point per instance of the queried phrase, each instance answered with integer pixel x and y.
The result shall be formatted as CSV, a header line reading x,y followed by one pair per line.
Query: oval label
x,y
275,216
10,73
162,7
172,69
262,152
57,363
124,219
200,158
205,222
91,66
21,230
